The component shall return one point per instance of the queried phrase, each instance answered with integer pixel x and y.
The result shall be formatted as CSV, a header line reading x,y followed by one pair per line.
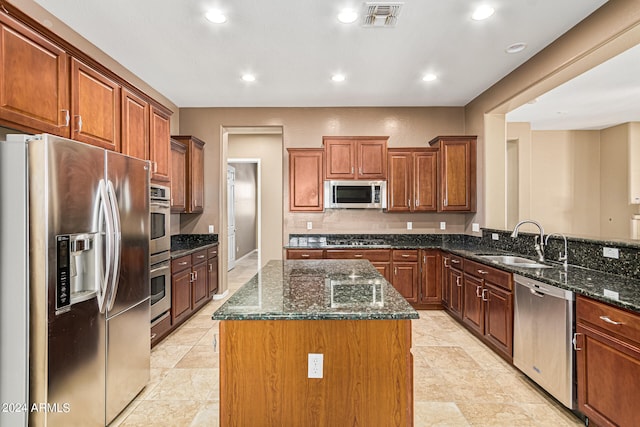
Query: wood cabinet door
x,y
472,306
34,75
384,268
306,191
135,125
178,177
455,297
457,176
159,145
95,107
425,181
498,318
405,279
195,183
430,288
371,159
444,281
180,295
200,290
212,276
399,189
340,159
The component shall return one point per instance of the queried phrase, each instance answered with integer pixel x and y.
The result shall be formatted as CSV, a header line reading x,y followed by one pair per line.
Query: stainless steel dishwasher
x,y
543,328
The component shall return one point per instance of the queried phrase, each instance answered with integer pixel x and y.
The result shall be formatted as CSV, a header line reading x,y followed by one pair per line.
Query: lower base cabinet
x,y
451,280
406,273
212,271
607,341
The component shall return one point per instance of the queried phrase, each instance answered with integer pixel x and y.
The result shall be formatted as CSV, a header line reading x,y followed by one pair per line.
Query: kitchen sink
x,y
514,261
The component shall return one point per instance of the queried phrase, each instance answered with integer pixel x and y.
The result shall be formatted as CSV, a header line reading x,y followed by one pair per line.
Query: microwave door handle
x,y
105,231
117,245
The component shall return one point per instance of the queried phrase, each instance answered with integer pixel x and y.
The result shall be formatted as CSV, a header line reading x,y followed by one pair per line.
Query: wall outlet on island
x,y
211,229
315,365
611,253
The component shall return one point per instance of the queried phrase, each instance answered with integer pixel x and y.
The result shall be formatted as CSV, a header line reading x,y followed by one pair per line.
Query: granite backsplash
x,y
189,241
585,253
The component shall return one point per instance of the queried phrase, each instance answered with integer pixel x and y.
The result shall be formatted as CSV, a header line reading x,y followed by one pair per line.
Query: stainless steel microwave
x,y
355,194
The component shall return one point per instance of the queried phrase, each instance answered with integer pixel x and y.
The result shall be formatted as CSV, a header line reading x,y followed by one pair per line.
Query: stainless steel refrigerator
x,y
75,250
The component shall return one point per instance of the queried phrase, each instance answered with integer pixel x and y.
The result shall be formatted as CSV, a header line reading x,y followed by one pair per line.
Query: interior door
x,y
231,216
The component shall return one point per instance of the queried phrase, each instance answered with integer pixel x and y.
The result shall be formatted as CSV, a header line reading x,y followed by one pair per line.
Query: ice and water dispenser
x,y
78,268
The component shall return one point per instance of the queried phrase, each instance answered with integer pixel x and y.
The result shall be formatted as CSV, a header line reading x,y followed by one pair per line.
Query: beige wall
x,y
267,148
609,31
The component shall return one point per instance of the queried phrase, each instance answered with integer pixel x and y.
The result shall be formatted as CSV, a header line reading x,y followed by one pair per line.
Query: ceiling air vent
x,y
380,14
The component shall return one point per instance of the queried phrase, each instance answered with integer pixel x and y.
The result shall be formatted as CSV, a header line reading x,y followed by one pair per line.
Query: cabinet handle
x,y
612,322
458,282
210,267
172,201
196,275
417,202
395,271
352,169
192,279
360,170
575,341
483,272
405,255
183,263
200,256
153,336
67,117
305,255
478,291
79,124
455,261
483,295
358,255
424,259
445,263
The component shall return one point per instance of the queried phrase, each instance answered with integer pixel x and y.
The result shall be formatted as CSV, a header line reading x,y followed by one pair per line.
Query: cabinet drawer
x,y
181,263
379,255
489,274
408,255
455,261
160,328
304,254
603,316
212,252
198,257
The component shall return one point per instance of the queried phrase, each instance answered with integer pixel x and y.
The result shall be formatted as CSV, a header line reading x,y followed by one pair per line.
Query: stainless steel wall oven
x,y
160,212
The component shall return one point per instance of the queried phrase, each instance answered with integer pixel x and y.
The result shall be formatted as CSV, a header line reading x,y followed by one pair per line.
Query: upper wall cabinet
x,y
34,91
159,145
305,180
135,125
194,173
413,180
95,107
178,177
457,176
355,157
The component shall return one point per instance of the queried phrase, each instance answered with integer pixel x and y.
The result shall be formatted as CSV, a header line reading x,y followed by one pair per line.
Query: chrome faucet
x,y
561,257
539,245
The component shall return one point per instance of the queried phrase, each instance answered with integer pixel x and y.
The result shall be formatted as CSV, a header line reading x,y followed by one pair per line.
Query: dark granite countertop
x,y
185,244
618,290
316,289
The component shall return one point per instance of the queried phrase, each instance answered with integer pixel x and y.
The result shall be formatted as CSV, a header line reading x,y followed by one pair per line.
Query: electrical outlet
x,y
443,225
475,227
315,365
611,294
495,236
309,225
610,253
409,225
211,229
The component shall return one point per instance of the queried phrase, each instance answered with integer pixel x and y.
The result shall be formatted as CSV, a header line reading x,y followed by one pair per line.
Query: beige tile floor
x,y
457,380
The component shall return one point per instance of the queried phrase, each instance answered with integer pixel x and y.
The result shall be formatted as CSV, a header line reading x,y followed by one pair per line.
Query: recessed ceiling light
x,y
348,16
429,77
516,47
482,12
248,77
216,17
338,77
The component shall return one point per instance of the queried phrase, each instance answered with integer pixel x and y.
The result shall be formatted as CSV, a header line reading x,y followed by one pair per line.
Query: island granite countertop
x,y
316,290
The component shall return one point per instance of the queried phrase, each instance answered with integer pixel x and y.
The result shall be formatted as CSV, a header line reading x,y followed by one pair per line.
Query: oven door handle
x,y
162,267
156,204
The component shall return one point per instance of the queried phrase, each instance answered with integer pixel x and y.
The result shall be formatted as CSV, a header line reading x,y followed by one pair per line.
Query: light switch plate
x,y
443,225
315,365
610,253
409,225
211,229
309,225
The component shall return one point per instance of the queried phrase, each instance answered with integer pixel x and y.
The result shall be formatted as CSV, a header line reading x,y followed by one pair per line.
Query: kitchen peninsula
x,y
343,310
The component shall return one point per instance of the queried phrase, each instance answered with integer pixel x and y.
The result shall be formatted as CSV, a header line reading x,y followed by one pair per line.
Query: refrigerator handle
x,y
105,232
117,247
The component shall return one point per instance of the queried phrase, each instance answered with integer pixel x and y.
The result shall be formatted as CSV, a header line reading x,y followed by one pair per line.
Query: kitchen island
x,y
343,310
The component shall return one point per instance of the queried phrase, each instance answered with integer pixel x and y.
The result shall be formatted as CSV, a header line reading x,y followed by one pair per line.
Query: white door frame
x,y
231,213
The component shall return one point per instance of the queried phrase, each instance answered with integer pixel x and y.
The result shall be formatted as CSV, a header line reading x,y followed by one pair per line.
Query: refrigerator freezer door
x,y
67,348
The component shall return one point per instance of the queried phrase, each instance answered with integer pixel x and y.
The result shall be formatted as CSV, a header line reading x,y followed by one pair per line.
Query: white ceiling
x,y
294,46
604,96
